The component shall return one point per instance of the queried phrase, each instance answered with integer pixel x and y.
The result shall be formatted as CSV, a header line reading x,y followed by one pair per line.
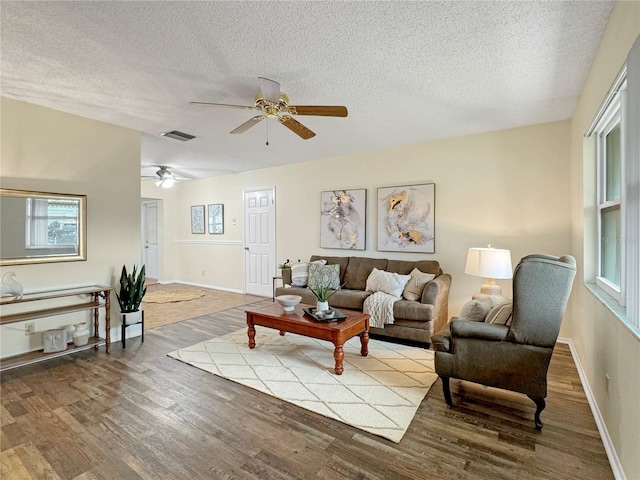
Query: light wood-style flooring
x,y
138,414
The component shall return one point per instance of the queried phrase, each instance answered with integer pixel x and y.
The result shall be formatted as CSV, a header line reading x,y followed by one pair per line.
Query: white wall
x,y
604,345
507,188
51,151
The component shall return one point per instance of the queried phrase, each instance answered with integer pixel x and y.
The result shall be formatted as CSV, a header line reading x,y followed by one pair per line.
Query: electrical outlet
x,y
29,328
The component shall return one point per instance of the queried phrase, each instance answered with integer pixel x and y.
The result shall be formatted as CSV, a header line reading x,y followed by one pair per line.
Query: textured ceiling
x,y
409,72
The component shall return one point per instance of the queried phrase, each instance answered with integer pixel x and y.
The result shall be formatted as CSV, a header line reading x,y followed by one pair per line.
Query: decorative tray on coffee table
x,y
337,316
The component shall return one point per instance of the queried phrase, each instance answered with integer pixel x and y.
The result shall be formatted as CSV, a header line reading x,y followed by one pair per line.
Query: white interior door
x,y
150,238
260,241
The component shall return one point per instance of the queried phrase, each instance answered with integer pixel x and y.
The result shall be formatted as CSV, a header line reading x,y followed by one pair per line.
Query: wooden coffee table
x,y
273,316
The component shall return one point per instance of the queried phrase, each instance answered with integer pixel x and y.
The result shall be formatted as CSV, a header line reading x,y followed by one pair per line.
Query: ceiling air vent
x,y
176,135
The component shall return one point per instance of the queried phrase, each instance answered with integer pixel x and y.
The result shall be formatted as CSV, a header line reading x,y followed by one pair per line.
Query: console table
x,y
97,296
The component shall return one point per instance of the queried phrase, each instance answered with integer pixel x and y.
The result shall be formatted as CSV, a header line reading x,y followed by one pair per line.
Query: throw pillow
x,y
320,274
501,314
415,285
387,282
476,310
300,272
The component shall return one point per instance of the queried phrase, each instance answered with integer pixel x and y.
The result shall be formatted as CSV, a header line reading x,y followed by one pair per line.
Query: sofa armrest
x,y
436,293
441,342
484,331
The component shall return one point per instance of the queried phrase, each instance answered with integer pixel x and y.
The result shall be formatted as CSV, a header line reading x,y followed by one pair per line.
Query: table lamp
x,y
492,264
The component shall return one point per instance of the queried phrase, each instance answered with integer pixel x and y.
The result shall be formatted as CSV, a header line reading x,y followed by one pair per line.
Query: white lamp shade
x,y
489,263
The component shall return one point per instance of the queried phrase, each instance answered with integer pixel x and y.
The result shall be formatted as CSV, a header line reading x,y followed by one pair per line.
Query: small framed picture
x,y
197,219
216,218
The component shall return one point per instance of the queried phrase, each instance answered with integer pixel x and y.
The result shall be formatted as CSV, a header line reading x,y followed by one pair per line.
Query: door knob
x,y
246,248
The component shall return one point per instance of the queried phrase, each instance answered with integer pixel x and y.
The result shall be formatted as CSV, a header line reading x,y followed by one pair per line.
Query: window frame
x,y
611,117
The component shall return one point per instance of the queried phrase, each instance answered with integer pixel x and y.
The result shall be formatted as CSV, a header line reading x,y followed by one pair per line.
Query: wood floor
x,y
138,414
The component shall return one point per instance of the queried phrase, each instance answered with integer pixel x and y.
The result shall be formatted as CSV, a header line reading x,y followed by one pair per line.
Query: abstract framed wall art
x,y
197,219
343,219
216,218
406,218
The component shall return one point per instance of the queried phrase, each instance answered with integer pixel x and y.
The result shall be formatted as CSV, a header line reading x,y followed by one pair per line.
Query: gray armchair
x,y
514,357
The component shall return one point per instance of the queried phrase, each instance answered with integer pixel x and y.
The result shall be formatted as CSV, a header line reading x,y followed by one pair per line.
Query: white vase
x,y
70,330
81,334
320,306
131,318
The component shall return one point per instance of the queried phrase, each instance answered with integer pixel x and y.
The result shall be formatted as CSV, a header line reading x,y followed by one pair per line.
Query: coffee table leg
x,y
282,332
364,343
251,332
338,355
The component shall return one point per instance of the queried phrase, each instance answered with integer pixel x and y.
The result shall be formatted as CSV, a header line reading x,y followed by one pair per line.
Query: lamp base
x,y
492,291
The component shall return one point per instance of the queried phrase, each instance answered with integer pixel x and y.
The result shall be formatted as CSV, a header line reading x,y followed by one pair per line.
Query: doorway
x,y
260,241
150,237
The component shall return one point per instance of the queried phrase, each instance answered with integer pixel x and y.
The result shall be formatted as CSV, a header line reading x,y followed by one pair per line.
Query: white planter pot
x,y
131,318
81,335
322,306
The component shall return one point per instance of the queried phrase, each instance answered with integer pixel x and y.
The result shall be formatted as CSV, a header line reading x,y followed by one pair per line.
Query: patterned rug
x,y
168,296
379,393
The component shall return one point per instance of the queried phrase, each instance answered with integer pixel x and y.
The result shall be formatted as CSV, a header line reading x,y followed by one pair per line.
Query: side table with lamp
x,y
492,264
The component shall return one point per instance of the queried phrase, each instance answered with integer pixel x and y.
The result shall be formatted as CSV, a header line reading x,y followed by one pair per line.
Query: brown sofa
x,y
414,320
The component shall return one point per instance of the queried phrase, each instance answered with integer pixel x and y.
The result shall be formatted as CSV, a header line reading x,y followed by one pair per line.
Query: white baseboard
x,y
203,285
612,455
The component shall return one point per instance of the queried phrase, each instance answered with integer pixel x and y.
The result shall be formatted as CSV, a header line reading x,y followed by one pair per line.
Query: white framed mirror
x,y
40,227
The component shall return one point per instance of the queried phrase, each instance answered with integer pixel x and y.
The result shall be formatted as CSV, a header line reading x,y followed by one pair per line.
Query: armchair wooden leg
x,y
446,391
540,404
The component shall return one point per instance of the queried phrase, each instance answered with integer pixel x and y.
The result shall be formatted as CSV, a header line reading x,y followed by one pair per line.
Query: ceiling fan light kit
x,y
275,104
165,178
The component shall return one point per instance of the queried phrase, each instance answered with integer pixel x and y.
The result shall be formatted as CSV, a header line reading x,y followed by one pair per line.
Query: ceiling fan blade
x,y
245,107
270,89
324,111
296,127
248,124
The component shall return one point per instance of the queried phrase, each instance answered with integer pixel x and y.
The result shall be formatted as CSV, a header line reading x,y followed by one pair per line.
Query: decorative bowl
x,y
325,314
289,301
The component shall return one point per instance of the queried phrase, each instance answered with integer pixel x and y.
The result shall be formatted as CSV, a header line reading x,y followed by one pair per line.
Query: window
x,y
609,134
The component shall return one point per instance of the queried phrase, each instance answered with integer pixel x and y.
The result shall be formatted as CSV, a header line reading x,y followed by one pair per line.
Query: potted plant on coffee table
x,y
323,292
132,290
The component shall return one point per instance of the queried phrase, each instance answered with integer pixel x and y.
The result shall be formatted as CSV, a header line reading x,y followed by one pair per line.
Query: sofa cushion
x,y
387,282
351,299
404,267
300,273
415,285
413,311
500,314
359,269
308,298
476,310
342,261
324,275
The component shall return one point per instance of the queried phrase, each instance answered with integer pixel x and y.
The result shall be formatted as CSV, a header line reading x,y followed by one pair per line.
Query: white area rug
x,y
379,393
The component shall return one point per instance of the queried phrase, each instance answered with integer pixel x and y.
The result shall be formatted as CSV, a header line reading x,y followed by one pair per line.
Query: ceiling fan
x,y
164,177
272,103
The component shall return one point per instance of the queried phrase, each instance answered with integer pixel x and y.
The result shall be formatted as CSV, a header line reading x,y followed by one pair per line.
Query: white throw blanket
x,y
379,306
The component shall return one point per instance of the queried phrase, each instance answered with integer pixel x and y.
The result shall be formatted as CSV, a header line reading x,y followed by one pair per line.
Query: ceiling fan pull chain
x,y
267,132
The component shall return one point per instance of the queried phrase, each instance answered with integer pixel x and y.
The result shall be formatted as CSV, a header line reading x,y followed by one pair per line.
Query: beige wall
x,y
51,151
605,346
507,188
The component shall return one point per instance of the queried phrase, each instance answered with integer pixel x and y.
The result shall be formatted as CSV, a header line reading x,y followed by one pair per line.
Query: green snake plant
x,y
132,290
